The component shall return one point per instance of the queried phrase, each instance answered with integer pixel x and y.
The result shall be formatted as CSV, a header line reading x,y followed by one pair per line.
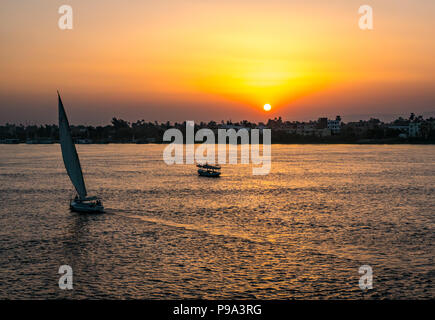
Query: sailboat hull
x,y
86,207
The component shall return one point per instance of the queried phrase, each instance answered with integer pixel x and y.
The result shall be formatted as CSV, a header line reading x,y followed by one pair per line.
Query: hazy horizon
x,y
216,60
107,120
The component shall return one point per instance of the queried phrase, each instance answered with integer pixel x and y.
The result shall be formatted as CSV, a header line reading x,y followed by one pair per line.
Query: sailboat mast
x,y
69,152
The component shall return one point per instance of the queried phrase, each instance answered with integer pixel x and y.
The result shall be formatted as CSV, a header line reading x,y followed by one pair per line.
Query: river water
x,y
300,232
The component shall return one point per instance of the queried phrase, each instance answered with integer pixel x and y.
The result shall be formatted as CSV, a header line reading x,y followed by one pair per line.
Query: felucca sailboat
x,y
81,203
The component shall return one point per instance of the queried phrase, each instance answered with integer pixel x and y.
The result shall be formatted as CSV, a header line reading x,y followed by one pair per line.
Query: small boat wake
x,y
227,234
185,226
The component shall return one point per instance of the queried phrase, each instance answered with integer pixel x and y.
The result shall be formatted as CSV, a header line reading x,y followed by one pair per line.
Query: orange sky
x,y
204,59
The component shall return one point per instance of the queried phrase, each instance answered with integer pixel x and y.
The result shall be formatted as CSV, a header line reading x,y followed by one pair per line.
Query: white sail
x,y
69,153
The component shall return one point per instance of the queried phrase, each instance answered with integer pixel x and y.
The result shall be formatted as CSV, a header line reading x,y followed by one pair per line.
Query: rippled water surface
x,y
302,231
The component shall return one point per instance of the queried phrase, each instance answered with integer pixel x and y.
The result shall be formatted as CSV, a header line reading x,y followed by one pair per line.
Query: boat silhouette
x,y
206,170
82,202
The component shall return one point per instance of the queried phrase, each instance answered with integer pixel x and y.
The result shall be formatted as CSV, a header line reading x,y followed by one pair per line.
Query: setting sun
x,y
267,107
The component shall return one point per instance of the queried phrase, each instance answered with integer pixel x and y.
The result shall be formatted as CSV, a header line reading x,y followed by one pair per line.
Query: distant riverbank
x,y
301,141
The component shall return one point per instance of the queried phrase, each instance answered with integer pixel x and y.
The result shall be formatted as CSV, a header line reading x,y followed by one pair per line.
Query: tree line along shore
x,y
414,129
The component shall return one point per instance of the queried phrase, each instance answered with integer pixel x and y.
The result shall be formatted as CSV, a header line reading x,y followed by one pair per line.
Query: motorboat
x,y
206,170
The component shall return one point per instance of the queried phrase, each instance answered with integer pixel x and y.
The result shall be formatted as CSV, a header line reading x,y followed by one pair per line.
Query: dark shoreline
x,y
273,143
415,130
